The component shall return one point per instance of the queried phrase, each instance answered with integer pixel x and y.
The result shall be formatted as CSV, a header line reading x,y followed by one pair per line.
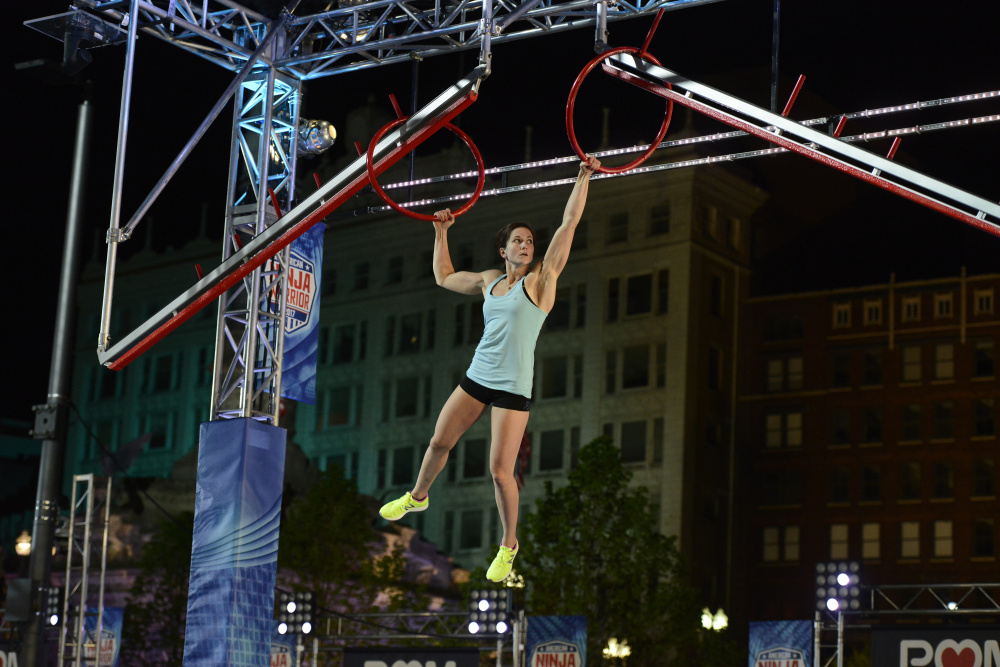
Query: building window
x,y
841,367
873,368
635,366
943,539
775,375
558,318
780,544
784,374
871,483
840,426
841,315
639,294
871,425
474,459
659,219
984,417
707,217
944,480
402,466
343,343
633,446
983,362
838,541
911,309
554,376
361,276
982,300
942,306
983,478
394,271
662,292
983,538
381,468
909,481
581,306
161,373
614,299
944,361
909,423
715,296
840,484
618,228
714,368
909,539
944,421
783,430
731,231
550,455
471,531
871,543
911,363
873,311
409,333
339,408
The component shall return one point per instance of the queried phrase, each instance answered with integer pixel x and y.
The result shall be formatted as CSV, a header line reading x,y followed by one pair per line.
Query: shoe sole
x,y
415,509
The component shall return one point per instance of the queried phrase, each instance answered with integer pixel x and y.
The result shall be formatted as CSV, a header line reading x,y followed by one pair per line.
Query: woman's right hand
x,y
444,219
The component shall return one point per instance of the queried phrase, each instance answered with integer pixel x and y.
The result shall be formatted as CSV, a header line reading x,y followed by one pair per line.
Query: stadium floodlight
x,y
838,586
489,611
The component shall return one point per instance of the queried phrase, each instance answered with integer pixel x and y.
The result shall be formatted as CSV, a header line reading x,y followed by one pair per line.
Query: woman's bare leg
x,y
507,431
460,412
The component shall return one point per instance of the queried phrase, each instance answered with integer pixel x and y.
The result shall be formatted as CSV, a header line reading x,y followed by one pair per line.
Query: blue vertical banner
x,y
298,374
282,648
557,641
234,553
781,644
108,647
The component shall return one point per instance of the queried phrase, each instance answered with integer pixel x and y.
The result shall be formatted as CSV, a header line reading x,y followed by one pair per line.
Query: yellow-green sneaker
x,y
502,564
397,508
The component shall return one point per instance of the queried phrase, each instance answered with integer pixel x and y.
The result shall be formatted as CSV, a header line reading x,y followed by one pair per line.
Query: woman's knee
x,y
502,478
440,443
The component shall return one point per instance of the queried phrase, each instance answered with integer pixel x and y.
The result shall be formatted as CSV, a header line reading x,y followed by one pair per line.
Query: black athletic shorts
x,y
500,399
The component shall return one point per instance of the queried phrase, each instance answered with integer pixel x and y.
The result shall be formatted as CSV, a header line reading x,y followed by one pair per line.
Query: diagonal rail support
x,y
818,146
313,209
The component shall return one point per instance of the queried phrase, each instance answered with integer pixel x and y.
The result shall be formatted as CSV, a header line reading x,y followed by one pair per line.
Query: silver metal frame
x,y
77,583
811,143
364,35
311,210
249,348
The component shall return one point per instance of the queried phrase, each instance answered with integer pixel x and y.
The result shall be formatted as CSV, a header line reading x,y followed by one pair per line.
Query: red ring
x,y
422,216
571,102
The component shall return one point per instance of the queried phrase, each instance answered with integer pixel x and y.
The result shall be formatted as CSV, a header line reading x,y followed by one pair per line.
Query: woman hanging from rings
x,y
516,301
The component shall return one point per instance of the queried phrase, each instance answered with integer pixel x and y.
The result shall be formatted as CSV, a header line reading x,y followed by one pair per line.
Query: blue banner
x,y
234,553
781,644
109,645
557,641
298,375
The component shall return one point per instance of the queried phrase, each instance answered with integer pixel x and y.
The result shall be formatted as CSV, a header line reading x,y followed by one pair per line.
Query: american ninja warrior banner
x,y
298,375
109,645
557,641
781,644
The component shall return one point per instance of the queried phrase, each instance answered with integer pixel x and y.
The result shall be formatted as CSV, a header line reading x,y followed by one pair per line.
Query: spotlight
x,y
315,137
838,586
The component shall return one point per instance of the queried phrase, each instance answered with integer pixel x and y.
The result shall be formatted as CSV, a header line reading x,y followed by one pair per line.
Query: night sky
x,y
820,229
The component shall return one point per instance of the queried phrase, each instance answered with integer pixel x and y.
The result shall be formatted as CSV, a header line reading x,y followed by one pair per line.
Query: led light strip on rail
x,y
719,136
730,157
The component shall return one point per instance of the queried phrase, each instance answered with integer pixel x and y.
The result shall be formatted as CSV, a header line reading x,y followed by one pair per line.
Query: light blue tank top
x,y
505,356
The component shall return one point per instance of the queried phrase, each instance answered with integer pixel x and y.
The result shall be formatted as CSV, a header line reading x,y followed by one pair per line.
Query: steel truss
x,y
250,330
357,35
85,540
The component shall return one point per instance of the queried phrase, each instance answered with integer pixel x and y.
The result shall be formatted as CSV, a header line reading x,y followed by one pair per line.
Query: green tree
x,y
592,548
156,610
329,546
